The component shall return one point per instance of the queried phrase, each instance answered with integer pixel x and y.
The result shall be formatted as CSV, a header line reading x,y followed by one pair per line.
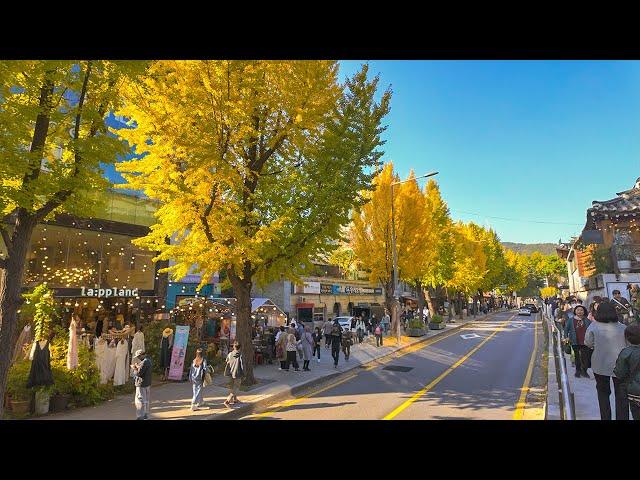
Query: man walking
x,y
386,321
622,305
142,380
336,342
326,329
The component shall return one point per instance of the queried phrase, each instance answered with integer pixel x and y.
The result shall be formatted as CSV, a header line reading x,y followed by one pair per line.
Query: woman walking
x,y
606,337
308,344
292,352
281,348
360,329
234,368
317,338
575,330
196,375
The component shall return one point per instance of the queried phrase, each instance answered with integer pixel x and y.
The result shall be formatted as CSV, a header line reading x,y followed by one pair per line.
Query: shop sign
x,y
179,352
349,290
326,289
311,287
108,292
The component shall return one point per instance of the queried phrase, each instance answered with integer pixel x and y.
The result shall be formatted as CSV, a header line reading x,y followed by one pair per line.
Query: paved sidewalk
x,y
584,390
172,401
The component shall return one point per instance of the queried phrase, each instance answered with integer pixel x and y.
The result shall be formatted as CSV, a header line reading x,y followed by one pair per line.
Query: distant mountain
x,y
544,248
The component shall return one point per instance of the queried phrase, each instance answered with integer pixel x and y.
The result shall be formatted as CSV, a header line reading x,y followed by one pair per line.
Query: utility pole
x,y
396,294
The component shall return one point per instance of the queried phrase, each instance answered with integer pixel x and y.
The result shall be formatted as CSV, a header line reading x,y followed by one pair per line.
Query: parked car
x,y
345,323
531,307
524,311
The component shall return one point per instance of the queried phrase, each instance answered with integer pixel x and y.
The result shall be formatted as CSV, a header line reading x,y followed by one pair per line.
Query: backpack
x,y
378,331
335,330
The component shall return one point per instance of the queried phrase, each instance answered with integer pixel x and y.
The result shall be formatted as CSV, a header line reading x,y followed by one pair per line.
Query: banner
x,y
179,352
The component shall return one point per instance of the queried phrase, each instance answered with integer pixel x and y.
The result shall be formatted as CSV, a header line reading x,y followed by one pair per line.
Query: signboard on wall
x,y
311,287
179,352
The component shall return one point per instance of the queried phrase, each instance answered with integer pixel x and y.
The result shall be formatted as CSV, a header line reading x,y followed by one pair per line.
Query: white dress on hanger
x,y
100,350
72,350
121,369
110,362
137,343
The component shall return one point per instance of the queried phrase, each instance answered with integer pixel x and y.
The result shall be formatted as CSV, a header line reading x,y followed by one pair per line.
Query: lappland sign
x,y
108,292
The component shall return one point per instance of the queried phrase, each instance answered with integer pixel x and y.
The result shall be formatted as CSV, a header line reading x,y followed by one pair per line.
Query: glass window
x,y
72,258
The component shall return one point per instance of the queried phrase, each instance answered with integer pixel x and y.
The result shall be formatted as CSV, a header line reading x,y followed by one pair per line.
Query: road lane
x,y
373,393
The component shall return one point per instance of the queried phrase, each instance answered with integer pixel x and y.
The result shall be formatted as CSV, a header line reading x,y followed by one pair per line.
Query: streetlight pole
x,y
396,294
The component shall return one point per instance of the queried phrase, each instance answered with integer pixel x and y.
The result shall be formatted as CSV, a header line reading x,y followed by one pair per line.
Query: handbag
x,y
138,381
208,376
567,347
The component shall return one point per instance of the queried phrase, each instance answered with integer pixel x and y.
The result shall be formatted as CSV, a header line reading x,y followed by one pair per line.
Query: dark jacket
x,y
317,337
570,329
336,340
234,367
628,368
145,372
196,374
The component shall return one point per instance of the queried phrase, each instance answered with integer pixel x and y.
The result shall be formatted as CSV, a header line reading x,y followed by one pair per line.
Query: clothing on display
x,y
165,348
138,342
72,350
23,339
109,361
40,373
122,365
99,326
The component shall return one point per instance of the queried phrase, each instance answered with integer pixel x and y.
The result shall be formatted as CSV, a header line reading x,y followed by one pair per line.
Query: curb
x,y
248,408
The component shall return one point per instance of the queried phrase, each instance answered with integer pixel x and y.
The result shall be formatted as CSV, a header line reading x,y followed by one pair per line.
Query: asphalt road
x,y
477,377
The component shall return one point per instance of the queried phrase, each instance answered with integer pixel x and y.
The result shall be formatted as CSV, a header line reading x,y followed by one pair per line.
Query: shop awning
x,y
304,305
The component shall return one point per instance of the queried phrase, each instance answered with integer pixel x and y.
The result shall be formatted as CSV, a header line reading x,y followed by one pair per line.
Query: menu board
x,y
179,351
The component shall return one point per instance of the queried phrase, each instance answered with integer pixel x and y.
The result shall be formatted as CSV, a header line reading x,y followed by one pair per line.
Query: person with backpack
x,y
317,339
336,342
197,374
234,369
627,369
378,333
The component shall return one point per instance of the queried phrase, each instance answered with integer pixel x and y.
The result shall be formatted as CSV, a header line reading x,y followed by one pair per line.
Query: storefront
x,y
95,271
316,300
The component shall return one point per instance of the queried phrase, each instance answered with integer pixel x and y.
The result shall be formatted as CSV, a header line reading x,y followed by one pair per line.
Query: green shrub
x,y
17,380
437,319
416,323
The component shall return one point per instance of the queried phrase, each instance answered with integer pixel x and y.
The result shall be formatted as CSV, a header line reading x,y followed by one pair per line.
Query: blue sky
x,y
534,141
527,140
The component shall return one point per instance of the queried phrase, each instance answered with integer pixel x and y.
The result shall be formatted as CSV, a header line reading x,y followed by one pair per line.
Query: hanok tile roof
x,y
626,202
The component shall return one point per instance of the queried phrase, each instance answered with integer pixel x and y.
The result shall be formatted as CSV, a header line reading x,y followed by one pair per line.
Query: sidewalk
x,y
172,401
584,391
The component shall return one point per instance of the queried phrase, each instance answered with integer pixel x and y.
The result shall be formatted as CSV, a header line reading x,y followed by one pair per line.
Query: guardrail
x,y
567,404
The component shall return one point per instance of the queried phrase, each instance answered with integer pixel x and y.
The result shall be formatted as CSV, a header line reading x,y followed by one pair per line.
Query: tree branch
x,y
5,236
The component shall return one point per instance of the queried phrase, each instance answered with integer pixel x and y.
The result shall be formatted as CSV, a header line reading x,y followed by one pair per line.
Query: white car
x,y
524,311
345,322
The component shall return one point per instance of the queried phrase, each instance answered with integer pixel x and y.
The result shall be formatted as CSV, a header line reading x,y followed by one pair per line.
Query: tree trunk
x,y
10,296
449,302
432,309
389,302
242,290
461,303
420,292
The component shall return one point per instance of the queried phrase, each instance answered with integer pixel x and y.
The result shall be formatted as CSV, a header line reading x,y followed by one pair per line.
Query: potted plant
x,y
17,392
61,390
415,328
437,323
624,250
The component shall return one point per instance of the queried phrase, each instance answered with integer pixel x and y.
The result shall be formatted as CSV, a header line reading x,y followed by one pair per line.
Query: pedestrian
x,y
378,332
627,368
622,306
606,337
347,341
360,329
326,328
307,343
575,330
300,328
281,347
142,380
336,342
386,321
317,338
196,375
234,369
292,352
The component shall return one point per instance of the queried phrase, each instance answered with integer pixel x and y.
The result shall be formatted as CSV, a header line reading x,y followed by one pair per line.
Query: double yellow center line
x,y
437,380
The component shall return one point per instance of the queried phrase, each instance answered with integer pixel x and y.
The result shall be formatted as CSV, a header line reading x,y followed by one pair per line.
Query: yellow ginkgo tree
x,y
256,165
